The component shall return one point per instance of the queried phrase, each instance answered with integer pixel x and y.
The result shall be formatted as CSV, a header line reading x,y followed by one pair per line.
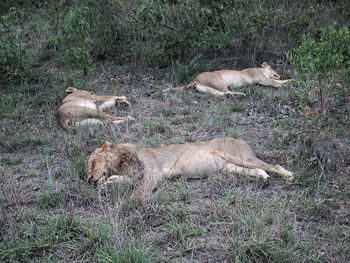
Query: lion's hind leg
x,y
256,172
88,122
118,120
205,89
255,163
94,118
283,81
105,102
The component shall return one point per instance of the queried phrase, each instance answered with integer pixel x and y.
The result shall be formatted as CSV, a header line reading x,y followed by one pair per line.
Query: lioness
x,y
112,162
217,82
83,107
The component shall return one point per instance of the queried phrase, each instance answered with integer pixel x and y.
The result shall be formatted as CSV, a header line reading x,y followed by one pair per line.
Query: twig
x,y
100,76
205,134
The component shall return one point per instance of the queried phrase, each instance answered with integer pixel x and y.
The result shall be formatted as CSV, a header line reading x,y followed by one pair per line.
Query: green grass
x,y
8,104
157,127
182,233
67,238
261,233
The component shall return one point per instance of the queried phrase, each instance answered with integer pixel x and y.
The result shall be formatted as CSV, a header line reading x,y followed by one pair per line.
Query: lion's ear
x,y
265,65
106,146
70,89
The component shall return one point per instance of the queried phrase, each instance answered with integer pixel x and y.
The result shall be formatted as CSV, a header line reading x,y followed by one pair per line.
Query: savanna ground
x,y
49,213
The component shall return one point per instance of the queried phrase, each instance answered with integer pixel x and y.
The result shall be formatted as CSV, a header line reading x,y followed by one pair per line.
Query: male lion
x,y
112,162
83,107
217,82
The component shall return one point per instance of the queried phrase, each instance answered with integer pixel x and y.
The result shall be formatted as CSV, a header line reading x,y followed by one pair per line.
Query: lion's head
x,y
110,160
270,72
72,90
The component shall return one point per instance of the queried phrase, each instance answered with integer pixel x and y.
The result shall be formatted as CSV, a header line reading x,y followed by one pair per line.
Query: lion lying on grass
x,y
217,82
112,162
83,107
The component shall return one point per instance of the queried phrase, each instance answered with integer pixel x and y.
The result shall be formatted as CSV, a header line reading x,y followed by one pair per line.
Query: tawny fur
x,y
112,162
217,82
83,107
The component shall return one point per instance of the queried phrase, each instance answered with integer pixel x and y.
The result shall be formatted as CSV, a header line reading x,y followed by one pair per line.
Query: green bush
x,y
186,72
73,42
86,32
321,62
322,55
169,30
157,32
13,56
6,5
326,58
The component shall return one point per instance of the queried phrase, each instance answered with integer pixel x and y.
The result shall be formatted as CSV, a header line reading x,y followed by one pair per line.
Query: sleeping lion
x,y
111,163
81,107
217,82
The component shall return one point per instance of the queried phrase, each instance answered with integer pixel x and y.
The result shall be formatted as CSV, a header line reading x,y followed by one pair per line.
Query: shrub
x,y
86,32
73,43
326,57
13,57
169,30
322,62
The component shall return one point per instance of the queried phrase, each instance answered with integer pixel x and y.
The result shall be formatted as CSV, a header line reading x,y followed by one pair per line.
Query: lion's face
x,y
273,74
270,72
97,167
98,163
110,160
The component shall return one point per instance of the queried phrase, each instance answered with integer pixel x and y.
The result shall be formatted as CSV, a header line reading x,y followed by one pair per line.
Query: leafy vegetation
x,y
322,63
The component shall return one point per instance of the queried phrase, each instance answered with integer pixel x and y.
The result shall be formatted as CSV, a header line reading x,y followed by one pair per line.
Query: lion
x,y
83,107
112,163
217,82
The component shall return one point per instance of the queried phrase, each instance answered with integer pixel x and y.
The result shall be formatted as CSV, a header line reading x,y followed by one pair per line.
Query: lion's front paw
x,y
126,102
232,93
122,99
289,177
130,118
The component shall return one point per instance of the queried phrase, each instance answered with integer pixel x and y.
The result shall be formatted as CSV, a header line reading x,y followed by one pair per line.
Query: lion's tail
x,y
192,83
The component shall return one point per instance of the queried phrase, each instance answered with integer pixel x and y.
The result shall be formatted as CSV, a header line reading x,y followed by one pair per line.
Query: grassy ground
x,y
50,214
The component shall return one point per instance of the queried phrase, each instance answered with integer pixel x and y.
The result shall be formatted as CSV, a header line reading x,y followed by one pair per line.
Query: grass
x,y
262,233
66,238
225,217
180,233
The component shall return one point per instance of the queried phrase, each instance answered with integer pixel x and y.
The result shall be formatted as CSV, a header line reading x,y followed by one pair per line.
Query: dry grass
x,y
224,218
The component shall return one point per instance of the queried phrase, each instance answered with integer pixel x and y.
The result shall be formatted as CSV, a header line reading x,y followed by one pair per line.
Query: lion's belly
x,y
234,82
235,79
87,104
80,104
194,165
